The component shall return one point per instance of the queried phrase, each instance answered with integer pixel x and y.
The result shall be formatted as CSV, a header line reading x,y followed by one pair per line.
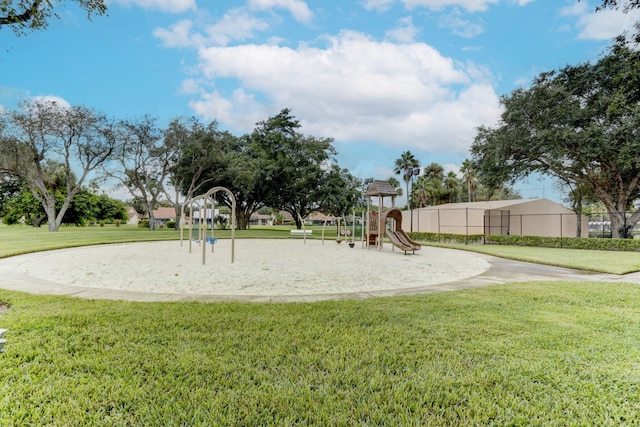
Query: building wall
x,y
538,217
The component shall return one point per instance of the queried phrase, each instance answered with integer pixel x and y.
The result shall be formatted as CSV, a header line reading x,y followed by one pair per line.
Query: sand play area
x,y
263,270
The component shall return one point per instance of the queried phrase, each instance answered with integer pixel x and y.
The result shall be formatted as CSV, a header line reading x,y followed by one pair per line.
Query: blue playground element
x,y
212,240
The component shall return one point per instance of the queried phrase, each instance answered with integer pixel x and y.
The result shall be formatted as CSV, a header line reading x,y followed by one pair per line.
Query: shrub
x,y
221,222
629,245
143,223
171,224
467,239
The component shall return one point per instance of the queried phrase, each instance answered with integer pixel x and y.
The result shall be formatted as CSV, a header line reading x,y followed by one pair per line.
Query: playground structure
x,y
200,233
377,220
346,232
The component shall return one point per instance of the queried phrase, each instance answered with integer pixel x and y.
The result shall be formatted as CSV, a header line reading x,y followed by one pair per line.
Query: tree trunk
x,y
178,209
37,221
617,223
579,224
152,220
577,208
50,210
242,219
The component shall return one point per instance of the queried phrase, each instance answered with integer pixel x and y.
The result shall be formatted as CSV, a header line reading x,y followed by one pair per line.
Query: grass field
x,y
15,240
552,353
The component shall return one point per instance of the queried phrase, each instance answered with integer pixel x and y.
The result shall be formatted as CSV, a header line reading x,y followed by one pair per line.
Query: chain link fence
x,y
473,221
600,225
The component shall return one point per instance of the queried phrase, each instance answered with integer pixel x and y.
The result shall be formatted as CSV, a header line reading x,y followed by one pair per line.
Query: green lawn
x,y
15,240
614,262
537,353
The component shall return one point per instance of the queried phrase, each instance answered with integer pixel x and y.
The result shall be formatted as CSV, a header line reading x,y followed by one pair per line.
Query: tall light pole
x,y
412,174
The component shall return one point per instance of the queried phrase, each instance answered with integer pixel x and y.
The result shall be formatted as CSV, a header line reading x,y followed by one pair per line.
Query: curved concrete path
x,y
498,271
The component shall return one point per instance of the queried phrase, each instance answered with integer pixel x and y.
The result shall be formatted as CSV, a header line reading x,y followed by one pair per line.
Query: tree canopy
x,y
297,167
25,15
579,124
625,5
275,166
144,160
52,148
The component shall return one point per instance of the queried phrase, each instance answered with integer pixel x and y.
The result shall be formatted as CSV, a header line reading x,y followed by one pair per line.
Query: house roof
x,y
256,216
319,216
164,213
131,212
381,188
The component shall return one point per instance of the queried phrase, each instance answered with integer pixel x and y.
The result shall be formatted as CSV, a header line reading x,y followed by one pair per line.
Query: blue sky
x,y
379,76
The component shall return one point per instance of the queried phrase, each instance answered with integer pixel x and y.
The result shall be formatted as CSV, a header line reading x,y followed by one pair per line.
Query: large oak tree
x,y
42,132
204,157
580,124
143,161
297,167
274,166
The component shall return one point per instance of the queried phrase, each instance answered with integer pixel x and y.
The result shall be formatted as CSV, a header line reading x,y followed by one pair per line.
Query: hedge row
x,y
628,245
471,239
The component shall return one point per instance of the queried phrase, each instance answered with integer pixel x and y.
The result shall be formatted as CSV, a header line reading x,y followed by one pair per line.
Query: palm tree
x,y
395,184
422,193
407,166
452,185
469,177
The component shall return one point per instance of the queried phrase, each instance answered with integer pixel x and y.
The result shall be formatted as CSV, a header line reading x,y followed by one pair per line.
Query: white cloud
x,y
170,6
405,32
237,25
379,5
468,5
297,8
52,100
354,89
450,167
40,103
575,9
459,26
602,25
177,36
240,112
190,87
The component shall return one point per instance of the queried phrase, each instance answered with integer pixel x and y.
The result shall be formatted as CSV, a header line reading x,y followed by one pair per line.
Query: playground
x,y
263,270
204,268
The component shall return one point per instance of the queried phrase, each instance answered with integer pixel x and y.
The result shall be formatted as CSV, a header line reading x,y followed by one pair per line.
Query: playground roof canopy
x,y
381,188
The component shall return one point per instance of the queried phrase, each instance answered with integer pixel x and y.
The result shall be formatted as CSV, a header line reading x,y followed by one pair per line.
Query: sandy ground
x,y
261,268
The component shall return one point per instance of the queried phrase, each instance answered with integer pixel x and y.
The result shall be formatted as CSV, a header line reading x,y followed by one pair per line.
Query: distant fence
x,y
600,224
474,221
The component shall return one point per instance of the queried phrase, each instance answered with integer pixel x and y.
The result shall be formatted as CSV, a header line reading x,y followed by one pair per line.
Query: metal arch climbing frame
x,y
191,202
202,227
206,197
